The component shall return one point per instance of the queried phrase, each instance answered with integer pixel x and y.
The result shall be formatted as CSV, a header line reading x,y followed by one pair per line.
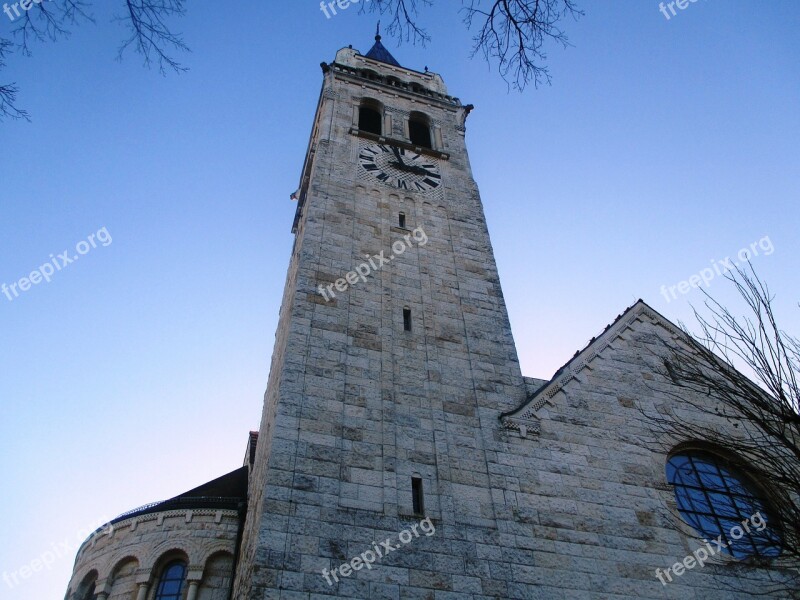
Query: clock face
x,y
400,168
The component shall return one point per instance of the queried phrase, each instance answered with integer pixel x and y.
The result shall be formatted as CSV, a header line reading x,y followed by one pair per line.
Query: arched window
x,y
371,75
370,118
86,589
395,82
419,130
719,501
89,593
170,585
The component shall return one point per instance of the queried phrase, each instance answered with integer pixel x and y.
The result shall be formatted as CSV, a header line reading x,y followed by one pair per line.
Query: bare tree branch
x,y
8,92
763,413
403,22
511,33
150,35
146,21
514,33
49,21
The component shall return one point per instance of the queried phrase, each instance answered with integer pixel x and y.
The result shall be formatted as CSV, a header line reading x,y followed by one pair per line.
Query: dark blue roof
x,y
379,52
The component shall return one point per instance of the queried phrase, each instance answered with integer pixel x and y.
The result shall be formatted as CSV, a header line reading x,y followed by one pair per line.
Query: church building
x,y
402,454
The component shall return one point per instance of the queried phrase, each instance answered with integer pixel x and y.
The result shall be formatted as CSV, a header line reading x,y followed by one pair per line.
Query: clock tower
x,y
401,453
394,357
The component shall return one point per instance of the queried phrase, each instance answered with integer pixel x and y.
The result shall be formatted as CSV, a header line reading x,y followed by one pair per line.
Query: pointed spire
x,y
379,51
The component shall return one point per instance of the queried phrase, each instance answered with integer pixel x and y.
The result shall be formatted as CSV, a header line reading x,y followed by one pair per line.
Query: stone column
x,y
193,578
438,142
193,586
142,594
143,581
102,589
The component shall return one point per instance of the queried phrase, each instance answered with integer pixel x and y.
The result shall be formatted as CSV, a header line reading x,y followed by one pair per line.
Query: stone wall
x,y
587,497
576,507
125,559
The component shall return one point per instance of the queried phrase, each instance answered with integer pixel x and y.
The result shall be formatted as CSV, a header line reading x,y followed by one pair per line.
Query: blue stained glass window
x,y
716,499
171,584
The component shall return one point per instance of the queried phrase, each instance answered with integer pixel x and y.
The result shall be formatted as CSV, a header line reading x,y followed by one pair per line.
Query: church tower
x,y
402,455
394,356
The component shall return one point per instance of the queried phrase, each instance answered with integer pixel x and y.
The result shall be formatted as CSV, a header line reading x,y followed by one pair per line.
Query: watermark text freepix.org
x,y
366,558
365,269
705,276
682,4
57,550
56,263
330,7
23,4
702,554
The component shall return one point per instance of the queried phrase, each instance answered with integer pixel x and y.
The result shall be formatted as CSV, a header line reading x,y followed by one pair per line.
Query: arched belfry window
x,y
419,130
372,75
370,117
170,586
720,501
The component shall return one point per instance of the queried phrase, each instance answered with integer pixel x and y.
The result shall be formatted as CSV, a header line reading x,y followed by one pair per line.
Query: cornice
x,y
353,75
132,523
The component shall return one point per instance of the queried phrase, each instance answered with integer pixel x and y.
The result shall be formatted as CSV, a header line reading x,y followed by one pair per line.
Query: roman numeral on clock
x,y
400,168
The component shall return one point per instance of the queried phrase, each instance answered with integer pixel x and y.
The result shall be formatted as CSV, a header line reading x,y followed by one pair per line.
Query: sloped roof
x,y
525,413
231,485
380,53
226,492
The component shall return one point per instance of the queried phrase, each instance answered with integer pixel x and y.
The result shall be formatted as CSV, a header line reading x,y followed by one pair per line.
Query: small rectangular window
x,y
417,496
403,220
407,319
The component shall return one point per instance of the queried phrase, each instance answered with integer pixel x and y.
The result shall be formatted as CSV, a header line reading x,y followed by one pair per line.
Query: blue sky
x,y
136,373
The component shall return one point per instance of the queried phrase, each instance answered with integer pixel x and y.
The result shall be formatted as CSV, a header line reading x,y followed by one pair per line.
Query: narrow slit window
x,y
403,220
407,319
417,496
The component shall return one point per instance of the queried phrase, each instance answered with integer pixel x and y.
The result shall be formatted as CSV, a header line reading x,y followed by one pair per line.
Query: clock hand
x,y
403,167
397,156
411,169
